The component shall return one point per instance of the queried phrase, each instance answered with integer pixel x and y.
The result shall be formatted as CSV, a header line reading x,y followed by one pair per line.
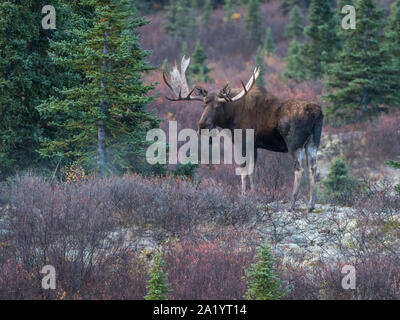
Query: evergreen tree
x,y
101,122
206,14
364,77
187,170
262,281
287,5
179,21
253,21
165,66
295,69
393,32
27,78
157,286
228,9
259,61
294,29
393,45
339,183
170,19
392,36
324,43
198,69
184,50
269,44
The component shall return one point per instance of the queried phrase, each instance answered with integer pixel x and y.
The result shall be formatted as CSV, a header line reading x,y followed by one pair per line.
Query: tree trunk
x,y
101,131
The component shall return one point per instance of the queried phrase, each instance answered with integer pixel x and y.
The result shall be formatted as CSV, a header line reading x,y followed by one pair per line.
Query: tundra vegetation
x,y
76,191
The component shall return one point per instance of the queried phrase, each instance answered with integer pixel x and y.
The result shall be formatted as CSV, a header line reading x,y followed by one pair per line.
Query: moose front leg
x,y
311,155
249,172
297,157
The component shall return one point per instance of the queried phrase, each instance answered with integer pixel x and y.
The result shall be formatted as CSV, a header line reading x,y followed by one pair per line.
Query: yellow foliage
x,y
235,16
74,173
61,296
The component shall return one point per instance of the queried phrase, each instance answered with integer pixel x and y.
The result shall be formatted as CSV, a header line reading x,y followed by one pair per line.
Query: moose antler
x,y
224,93
178,83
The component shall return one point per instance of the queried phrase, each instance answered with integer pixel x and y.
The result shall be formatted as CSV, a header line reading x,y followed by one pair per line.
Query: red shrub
x,y
200,269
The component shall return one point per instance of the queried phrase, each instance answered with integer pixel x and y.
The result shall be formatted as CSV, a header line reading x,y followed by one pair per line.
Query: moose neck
x,y
229,119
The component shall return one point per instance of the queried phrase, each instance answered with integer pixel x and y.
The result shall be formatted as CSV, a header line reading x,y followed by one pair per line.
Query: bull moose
x,y
292,126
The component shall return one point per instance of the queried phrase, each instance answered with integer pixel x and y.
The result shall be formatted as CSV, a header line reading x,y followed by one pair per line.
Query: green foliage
x,y
323,40
180,21
27,78
392,33
253,22
339,183
165,66
198,69
109,95
392,36
287,5
295,69
294,30
259,61
269,44
262,281
157,286
206,14
187,170
184,50
228,9
364,77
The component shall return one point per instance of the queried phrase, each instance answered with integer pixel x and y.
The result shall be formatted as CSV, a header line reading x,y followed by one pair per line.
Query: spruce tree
x,y
198,68
184,50
228,9
364,77
157,285
165,66
206,14
287,5
101,122
393,45
27,77
323,41
393,32
262,281
392,36
170,19
339,183
253,22
295,69
259,61
294,30
269,44
180,20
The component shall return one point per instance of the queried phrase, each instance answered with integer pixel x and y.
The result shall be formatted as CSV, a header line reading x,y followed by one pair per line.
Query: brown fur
x,y
280,125
292,126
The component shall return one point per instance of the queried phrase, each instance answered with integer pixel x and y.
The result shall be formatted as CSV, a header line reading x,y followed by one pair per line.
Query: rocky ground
x,y
334,145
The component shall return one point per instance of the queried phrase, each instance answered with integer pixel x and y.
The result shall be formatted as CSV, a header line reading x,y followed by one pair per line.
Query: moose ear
x,y
200,91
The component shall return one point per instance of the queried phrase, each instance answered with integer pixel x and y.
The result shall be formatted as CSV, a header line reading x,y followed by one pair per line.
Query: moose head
x,y
214,113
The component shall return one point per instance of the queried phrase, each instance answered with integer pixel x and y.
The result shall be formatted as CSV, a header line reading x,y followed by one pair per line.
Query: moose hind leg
x,y
243,177
311,154
297,157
